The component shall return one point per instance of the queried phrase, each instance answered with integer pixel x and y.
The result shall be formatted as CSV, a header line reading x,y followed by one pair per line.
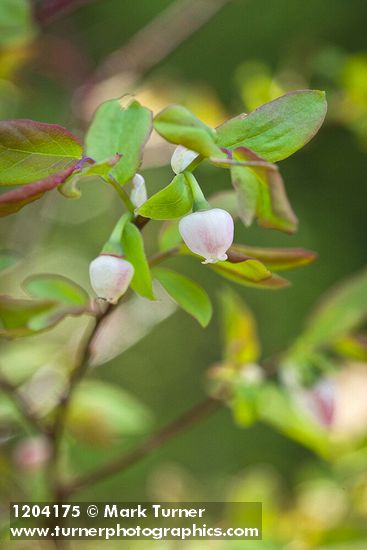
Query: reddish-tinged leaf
x,y
14,200
248,270
262,188
275,259
249,273
275,282
31,151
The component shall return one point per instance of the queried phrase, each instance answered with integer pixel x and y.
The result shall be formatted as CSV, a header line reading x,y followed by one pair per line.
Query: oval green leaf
x,y
249,273
120,126
133,246
186,293
178,125
16,316
32,151
172,202
56,287
278,128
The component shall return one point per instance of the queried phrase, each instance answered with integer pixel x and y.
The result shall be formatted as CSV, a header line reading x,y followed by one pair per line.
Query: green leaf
x,y
58,288
341,311
172,202
133,246
186,293
260,190
352,346
16,23
178,125
32,151
247,188
16,316
241,344
279,128
57,298
275,259
8,259
120,126
249,273
102,167
102,414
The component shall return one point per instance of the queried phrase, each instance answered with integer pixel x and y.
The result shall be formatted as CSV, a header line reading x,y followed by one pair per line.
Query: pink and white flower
x,y
208,233
110,277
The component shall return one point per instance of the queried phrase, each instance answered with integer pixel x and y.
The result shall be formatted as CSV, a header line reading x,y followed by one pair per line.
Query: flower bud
x,y
208,233
182,158
110,277
138,194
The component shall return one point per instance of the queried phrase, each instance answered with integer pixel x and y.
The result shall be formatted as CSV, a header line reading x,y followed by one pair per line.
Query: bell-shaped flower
x,y
208,233
182,158
138,195
110,277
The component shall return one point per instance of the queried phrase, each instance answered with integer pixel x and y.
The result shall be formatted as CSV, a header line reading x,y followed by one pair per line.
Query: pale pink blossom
x,y
110,277
208,233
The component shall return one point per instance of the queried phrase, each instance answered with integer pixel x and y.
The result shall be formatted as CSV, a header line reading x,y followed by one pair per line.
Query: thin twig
x,y
185,421
76,375
161,36
161,256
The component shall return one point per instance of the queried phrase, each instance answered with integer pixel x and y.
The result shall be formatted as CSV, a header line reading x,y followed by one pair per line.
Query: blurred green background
x,y
248,53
